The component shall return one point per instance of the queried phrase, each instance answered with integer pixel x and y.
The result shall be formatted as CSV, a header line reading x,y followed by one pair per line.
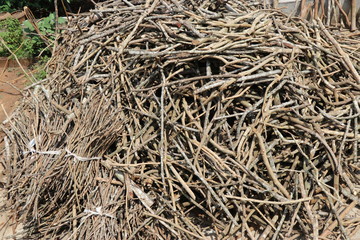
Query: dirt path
x,y
11,81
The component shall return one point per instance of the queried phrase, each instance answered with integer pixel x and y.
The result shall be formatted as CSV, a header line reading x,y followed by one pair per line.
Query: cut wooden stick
x,y
353,15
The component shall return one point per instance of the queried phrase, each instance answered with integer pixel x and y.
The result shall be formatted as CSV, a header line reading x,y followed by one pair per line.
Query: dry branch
x,y
189,119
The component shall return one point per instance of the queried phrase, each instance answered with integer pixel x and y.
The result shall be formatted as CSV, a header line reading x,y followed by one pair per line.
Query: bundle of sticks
x,y
189,119
339,12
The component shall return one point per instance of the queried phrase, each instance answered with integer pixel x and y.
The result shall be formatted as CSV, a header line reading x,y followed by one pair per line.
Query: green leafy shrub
x,y
45,25
47,29
6,6
25,42
29,44
11,32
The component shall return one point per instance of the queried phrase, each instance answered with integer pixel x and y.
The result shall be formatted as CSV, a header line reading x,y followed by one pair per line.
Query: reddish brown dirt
x,y
11,81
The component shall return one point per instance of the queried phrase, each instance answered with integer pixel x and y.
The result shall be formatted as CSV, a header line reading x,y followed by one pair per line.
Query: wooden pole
x,y
302,8
353,15
275,3
316,9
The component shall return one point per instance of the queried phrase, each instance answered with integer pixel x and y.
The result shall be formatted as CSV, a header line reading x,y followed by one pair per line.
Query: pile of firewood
x,y
189,119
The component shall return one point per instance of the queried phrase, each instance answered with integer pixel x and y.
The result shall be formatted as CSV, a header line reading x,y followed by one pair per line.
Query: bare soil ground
x,y
11,81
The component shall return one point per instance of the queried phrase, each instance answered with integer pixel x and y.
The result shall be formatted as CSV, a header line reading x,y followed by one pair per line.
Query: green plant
x,y
46,27
6,6
40,68
12,34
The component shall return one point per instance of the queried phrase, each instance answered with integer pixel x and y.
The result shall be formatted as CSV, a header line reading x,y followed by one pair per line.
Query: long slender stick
x,y
275,4
32,78
353,15
316,9
347,60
